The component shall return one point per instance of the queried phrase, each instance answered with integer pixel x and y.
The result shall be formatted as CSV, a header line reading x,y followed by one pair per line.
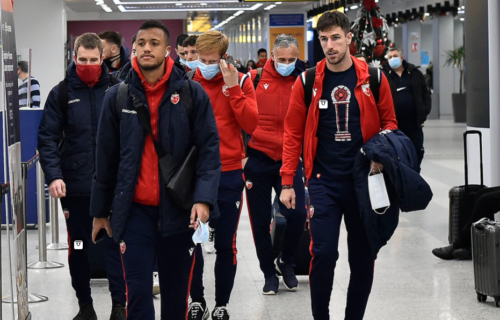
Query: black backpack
x,y
184,94
375,79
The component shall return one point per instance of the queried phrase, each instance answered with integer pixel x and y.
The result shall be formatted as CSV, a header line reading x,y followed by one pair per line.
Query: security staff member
x,y
265,150
69,170
128,188
342,116
233,100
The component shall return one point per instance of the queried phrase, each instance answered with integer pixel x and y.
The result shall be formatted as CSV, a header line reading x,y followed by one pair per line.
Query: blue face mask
x,y
395,62
208,71
286,69
192,64
201,233
182,60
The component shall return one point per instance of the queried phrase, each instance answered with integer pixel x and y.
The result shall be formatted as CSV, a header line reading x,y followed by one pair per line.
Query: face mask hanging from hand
x,y
208,71
286,69
395,62
201,233
377,191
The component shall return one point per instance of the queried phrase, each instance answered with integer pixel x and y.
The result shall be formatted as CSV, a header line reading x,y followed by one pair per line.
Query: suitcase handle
x,y
466,133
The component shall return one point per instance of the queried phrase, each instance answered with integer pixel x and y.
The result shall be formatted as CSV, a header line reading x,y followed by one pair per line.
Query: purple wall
x,y
127,28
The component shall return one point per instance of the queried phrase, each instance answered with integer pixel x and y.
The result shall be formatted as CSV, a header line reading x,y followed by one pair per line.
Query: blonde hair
x,y
212,41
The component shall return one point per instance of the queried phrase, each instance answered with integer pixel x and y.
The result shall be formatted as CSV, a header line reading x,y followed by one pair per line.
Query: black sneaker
x,y
118,313
445,253
220,313
86,312
197,312
462,254
286,270
271,286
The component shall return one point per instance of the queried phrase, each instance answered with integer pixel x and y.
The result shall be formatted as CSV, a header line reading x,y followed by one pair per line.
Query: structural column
x,y
411,42
442,30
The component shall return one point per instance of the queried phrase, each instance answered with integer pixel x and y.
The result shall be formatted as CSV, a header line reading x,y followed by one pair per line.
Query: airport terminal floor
x,y
409,283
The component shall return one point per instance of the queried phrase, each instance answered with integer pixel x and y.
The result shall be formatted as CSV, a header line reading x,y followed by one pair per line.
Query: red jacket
x,y
147,191
273,97
235,109
301,127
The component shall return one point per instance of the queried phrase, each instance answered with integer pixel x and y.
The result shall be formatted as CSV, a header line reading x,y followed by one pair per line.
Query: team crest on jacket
x,y
249,184
311,211
175,98
366,89
66,213
123,247
225,91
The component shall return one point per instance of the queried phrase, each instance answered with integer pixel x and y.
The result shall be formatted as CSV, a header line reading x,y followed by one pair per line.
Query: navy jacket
x,y
74,163
123,72
120,145
407,190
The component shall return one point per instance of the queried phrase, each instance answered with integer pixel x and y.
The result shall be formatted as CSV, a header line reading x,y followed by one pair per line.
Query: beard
x,y
151,67
340,58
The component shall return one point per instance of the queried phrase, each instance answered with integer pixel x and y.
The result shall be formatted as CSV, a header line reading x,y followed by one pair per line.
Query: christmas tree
x,y
370,34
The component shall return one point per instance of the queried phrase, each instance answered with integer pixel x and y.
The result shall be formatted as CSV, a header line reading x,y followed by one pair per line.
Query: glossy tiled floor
x,y
410,283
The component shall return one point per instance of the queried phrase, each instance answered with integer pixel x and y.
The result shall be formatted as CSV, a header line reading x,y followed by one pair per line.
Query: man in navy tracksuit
x,y
265,150
69,169
128,188
342,116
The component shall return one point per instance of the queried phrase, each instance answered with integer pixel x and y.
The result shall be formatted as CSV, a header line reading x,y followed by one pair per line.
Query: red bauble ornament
x,y
379,41
377,23
379,50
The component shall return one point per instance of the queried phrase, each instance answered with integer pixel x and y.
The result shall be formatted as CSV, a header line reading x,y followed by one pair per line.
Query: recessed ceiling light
x,y
354,7
203,4
279,2
178,4
462,19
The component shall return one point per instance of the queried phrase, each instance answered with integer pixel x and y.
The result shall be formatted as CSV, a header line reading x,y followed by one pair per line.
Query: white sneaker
x,y
156,284
209,245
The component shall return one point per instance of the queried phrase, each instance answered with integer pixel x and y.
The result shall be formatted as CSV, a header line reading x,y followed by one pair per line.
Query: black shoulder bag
x,y
179,176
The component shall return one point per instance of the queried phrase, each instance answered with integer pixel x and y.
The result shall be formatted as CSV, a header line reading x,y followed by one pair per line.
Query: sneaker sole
x,y
156,290
206,315
270,293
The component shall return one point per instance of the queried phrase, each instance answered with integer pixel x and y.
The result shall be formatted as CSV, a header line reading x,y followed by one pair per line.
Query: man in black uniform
x,y
69,169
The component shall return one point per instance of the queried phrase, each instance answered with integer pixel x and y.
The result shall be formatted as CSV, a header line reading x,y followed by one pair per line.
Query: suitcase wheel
x,y
482,298
497,302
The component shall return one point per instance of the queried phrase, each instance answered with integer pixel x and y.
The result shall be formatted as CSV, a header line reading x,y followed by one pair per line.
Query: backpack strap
x,y
121,98
63,100
187,101
114,80
375,79
308,83
257,78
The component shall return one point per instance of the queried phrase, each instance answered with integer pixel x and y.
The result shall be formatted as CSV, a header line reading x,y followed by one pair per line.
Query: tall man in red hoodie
x,y
264,152
235,107
342,116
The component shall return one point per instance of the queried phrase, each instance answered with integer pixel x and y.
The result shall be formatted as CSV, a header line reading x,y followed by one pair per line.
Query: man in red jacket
x,y
342,116
235,108
264,152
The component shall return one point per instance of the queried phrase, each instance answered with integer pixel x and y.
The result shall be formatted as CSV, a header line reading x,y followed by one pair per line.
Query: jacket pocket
x,y
76,161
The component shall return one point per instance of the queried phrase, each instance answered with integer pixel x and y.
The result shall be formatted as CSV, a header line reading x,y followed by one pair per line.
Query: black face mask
x,y
109,61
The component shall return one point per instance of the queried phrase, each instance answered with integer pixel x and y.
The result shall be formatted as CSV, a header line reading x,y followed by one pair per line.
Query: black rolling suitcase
x,y
462,197
303,257
486,257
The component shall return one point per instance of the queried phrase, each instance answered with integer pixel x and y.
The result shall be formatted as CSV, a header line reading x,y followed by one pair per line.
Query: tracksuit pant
x,y
330,200
79,225
140,246
487,203
229,201
417,138
262,174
